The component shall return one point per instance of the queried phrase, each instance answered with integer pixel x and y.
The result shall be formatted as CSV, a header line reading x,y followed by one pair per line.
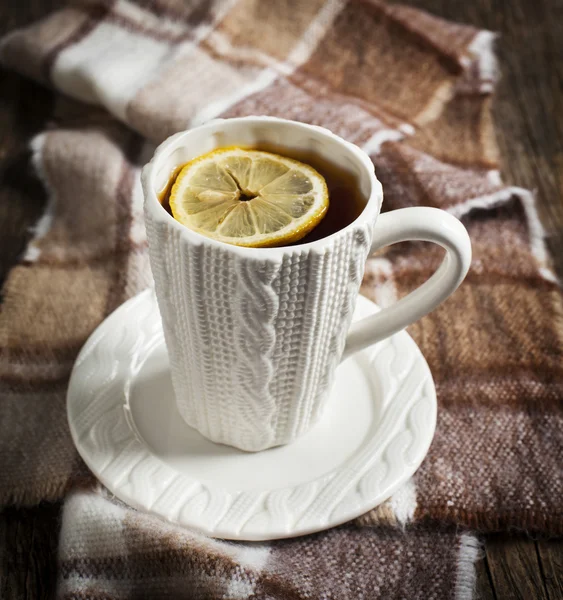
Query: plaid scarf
x,y
414,92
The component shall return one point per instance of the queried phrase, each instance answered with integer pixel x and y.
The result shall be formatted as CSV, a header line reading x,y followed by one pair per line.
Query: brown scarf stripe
x,y
43,374
486,521
17,385
199,12
299,91
463,135
194,17
529,391
102,258
322,89
447,38
41,352
148,564
335,62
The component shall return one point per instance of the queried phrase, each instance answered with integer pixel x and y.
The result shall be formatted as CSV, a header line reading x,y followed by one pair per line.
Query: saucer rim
x,y
270,534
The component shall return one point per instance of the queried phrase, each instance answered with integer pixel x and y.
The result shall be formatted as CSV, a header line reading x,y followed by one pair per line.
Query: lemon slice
x,y
249,197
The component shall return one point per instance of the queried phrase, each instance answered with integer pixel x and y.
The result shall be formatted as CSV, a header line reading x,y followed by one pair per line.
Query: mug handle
x,y
423,224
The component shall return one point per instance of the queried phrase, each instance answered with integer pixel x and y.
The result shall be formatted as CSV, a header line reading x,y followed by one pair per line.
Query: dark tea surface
x,y
346,202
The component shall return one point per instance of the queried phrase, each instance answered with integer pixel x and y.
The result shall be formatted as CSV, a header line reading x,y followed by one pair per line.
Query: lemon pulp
x,y
249,197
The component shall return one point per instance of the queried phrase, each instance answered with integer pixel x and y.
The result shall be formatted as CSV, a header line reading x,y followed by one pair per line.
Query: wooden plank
x,y
483,583
24,109
529,108
514,568
550,554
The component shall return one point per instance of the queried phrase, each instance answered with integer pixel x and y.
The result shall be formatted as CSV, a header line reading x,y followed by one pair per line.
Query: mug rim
x,y
369,213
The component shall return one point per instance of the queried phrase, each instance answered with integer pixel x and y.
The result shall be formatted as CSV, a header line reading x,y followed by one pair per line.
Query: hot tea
x,y
346,201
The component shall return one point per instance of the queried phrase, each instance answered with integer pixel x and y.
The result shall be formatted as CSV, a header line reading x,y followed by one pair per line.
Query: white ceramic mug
x,y
254,335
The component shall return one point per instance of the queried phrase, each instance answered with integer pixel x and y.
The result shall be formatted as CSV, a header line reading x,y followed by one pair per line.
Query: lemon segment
x,y
249,197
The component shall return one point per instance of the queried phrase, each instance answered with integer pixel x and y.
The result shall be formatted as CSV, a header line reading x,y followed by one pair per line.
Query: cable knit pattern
x,y
253,343
257,304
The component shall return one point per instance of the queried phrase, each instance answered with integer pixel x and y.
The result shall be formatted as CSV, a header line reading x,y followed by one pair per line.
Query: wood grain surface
x,y
529,120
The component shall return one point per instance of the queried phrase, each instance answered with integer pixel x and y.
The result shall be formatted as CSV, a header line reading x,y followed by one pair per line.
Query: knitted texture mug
x,y
254,335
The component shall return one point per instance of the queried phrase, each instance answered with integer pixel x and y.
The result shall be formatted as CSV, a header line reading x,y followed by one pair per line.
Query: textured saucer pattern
x,y
105,433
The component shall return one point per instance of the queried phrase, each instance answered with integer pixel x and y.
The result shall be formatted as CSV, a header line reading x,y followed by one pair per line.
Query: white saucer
x,y
376,430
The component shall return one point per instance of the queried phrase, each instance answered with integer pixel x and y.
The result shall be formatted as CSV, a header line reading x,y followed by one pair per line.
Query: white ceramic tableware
x,y
374,432
254,336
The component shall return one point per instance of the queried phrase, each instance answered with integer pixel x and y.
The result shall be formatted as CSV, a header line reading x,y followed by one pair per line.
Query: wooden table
x,y
529,119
